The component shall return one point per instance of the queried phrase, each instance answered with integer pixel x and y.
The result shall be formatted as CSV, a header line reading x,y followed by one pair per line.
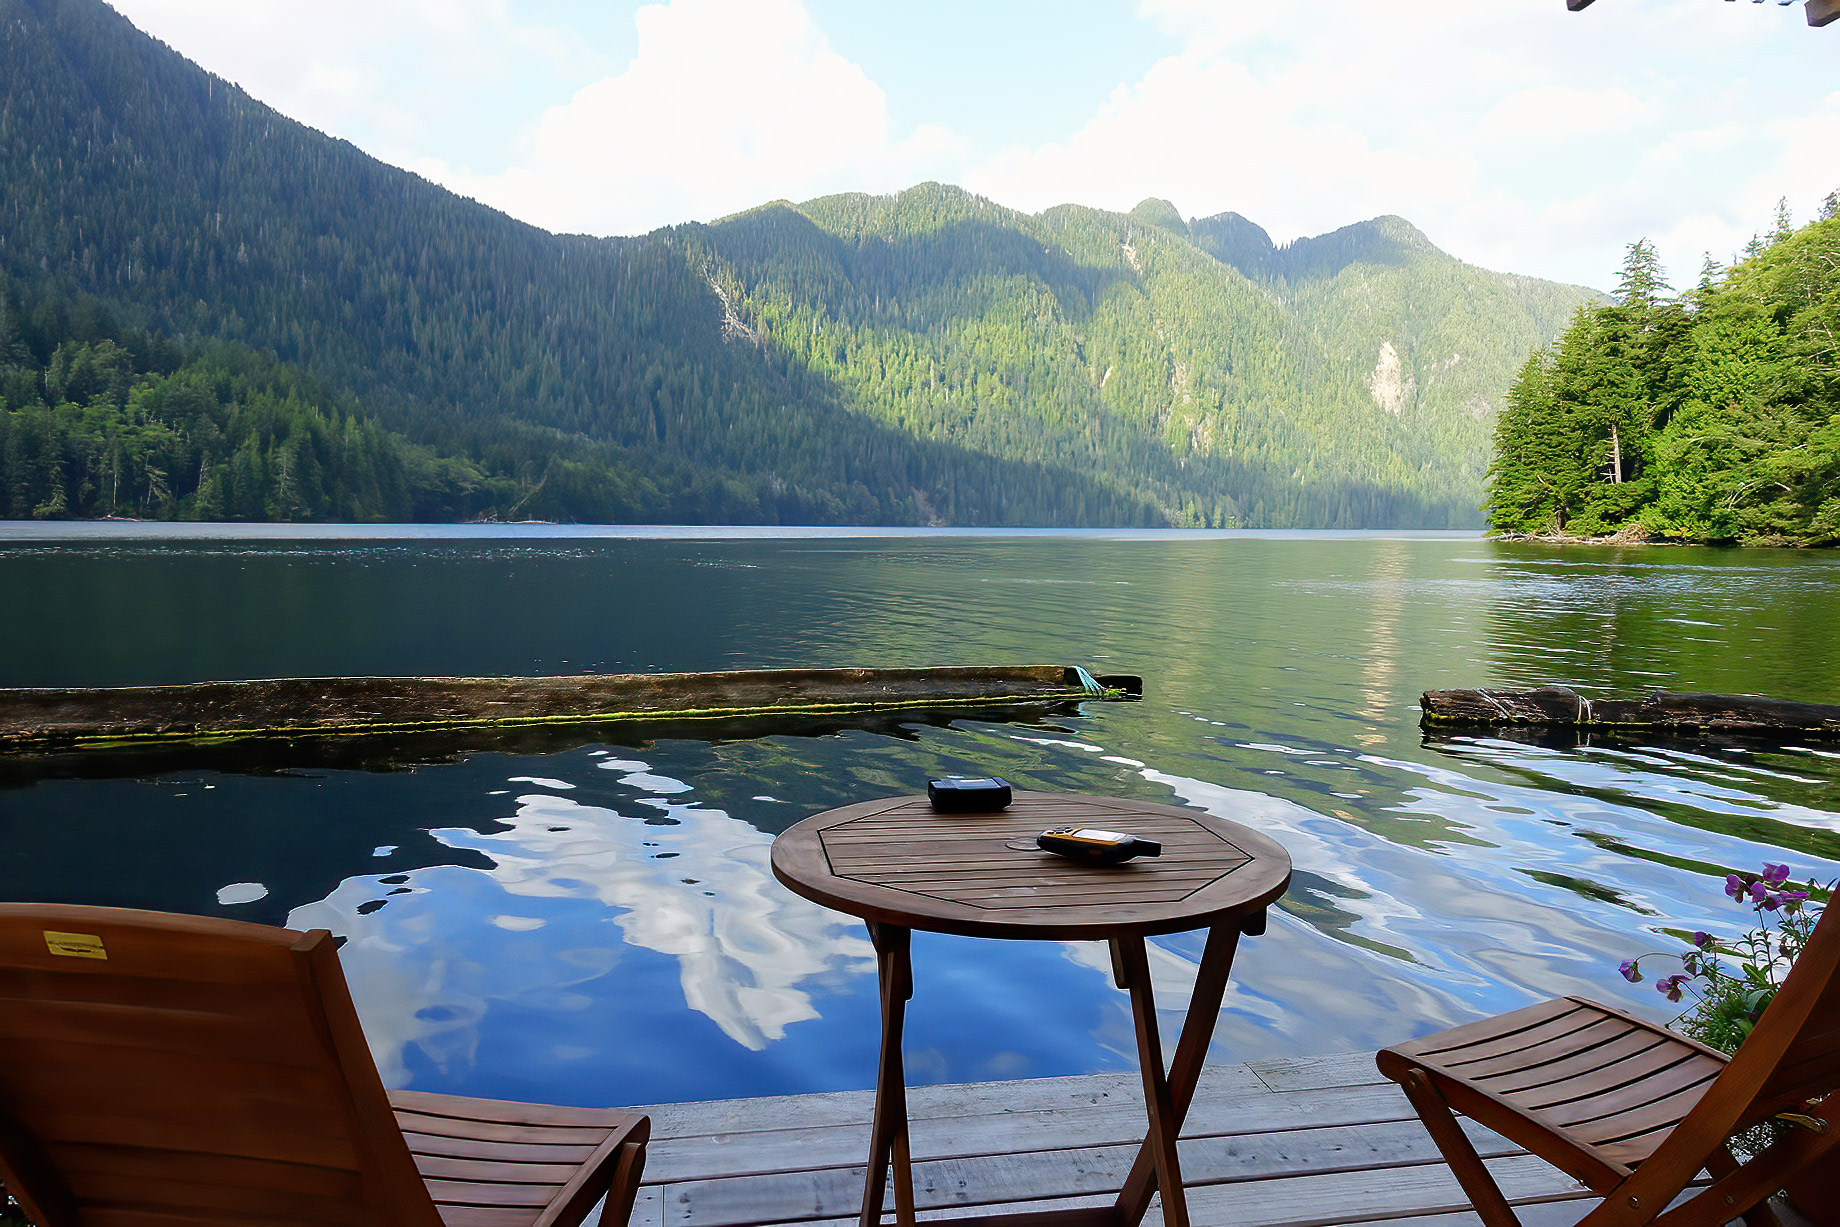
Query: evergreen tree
x,y
1726,418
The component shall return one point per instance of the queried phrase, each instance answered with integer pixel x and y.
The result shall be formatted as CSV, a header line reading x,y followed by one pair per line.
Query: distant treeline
x,y
1712,415
98,420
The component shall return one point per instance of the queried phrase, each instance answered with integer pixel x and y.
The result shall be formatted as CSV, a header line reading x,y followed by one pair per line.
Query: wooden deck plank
x,y
1535,1214
771,1113
1118,1119
1318,1073
1340,1197
1044,1174
1310,1142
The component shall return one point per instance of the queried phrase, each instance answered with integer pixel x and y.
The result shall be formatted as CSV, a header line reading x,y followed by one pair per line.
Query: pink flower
x,y
1630,971
1774,874
1701,938
1734,886
1669,986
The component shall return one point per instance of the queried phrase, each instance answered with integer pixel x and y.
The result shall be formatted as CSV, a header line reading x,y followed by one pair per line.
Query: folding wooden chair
x,y
171,1071
1636,1112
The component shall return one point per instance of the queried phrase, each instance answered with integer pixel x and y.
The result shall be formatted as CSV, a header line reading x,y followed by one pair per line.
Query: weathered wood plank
x,y
1318,1073
772,1112
1118,1120
1421,1196
1537,1214
270,707
986,1179
1306,1142
1340,1197
1687,714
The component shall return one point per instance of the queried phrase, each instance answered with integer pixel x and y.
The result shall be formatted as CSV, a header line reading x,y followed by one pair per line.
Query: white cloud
x,y
393,76
1206,133
1563,113
727,104
1518,135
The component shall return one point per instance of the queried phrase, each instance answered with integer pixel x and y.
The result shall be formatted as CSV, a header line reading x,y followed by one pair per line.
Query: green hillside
x,y
923,358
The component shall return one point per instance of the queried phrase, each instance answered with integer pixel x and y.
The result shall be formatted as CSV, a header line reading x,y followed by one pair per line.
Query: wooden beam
x,y
1820,12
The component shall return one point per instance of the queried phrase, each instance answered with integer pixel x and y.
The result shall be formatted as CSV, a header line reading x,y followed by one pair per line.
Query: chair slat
x,y
176,1131
1585,1105
1504,1033
509,1152
1575,1042
293,1177
485,1216
480,1193
206,1073
503,1111
185,1032
1636,1049
257,1203
442,1167
493,1131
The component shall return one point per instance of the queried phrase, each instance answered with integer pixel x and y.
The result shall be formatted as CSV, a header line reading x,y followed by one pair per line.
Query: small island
x,y
1712,416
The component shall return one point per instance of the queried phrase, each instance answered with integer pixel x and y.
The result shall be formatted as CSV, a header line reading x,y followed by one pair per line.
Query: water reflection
x,y
525,922
1382,654
670,875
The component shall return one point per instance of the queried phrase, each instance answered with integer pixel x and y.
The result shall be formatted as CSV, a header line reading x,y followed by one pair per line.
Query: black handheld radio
x,y
980,796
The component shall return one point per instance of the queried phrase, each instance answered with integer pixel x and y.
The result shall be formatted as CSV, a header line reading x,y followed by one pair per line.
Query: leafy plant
x,y
1729,997
1733,982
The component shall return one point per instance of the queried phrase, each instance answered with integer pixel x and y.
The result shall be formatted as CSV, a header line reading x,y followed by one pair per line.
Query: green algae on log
x,y
1558,707
39,718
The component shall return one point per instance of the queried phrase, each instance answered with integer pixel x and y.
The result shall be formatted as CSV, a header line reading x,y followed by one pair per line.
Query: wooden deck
x,y
1314,1141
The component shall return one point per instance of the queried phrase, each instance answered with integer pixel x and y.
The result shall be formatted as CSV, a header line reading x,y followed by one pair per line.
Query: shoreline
x,y
1634,535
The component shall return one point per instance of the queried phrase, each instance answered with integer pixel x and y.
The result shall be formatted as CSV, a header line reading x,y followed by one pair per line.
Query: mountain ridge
x,y
921,357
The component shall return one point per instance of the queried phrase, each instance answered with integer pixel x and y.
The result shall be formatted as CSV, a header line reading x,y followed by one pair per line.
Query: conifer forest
x,y
1709,415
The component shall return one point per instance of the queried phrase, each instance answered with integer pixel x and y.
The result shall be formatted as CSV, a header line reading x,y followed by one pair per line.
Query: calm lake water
x,y
598,924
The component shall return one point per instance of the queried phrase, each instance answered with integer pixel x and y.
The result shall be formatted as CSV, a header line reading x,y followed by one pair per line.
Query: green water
x,y
596,923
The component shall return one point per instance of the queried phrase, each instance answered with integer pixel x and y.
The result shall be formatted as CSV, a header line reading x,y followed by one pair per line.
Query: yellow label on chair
x,y
75,945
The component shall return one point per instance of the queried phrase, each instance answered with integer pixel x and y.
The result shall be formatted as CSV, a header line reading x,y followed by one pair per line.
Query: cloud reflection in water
x,y
683,880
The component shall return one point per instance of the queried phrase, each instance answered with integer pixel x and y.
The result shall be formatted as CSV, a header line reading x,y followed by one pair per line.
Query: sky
x,y
1517,135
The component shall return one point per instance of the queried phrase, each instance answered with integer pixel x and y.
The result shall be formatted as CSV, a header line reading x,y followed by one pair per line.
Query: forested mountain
x,y
923,358
1713,415
107,421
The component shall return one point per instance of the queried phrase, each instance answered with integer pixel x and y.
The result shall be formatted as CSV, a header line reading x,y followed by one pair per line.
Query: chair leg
x,y
1723,1163
616,1210
1485,1196
1735,1191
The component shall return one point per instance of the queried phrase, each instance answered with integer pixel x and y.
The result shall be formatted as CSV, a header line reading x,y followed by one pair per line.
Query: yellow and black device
x,y
1091,846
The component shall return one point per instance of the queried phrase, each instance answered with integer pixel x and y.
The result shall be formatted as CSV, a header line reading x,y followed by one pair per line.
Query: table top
x,y
899,861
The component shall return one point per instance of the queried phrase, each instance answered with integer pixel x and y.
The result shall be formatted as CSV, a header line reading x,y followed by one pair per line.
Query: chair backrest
x,y
158,1069
1793,1054
1795,1047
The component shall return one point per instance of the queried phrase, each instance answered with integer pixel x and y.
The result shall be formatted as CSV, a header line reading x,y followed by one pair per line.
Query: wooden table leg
x,y
888,1133
1185,1070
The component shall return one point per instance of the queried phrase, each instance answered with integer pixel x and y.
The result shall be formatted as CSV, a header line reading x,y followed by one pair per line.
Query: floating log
x,y
1561,707
41,718
268,755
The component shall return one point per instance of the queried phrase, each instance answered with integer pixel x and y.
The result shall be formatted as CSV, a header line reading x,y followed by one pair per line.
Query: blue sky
x,y
1518,135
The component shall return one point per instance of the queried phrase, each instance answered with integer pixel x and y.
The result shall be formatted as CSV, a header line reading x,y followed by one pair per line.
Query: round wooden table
x,y
901,865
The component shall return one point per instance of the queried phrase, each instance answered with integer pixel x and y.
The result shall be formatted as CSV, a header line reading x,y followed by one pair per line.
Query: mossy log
x,y
56,718
1561,707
